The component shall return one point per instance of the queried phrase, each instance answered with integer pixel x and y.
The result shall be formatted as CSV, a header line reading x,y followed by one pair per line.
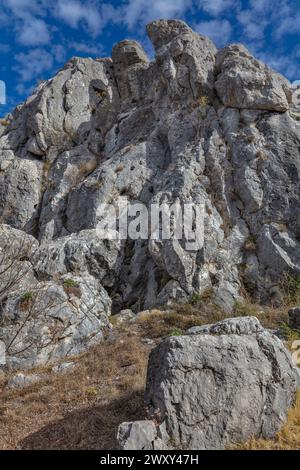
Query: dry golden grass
x,y
159,323
287,439
82,408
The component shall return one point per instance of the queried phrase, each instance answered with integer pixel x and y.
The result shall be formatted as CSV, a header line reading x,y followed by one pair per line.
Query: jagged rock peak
x,y
162,32
195,125
127,53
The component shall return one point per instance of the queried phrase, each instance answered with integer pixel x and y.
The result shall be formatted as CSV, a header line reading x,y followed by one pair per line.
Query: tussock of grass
x,y
80,409
159,324
269,317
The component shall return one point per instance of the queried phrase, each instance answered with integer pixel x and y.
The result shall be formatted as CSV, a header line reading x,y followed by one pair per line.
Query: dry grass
x,y
158,324
287,439
82,408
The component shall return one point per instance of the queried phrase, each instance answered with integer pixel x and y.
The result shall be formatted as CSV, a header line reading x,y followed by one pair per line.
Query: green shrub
x,y
176,332
69,283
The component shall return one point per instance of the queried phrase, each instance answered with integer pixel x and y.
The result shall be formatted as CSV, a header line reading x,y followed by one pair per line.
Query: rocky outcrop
x,y
45,315
193,125
245,83
141,435
225,384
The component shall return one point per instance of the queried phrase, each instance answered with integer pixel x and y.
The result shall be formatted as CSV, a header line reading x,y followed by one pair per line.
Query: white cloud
x,y
25,7
73,13
21,89
253,25
4,19
261,6
59,53
280,14
285,64
32,64
289,25
33,32
142,11
85,48
217,30
215,7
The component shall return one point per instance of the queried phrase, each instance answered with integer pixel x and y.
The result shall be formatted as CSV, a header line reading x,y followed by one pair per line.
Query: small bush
x,y
26,300
72,288
288,332
176,332
160,324
91,391
204,296
70,283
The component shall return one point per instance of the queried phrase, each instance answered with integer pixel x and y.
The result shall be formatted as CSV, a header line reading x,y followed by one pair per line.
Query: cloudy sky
x,y
38,36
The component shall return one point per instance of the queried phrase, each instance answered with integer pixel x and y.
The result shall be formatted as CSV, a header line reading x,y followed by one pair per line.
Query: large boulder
x,y
47,312
246,83
225,384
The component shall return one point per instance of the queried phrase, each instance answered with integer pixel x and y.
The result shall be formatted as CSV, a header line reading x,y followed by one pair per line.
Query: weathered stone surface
x,y
46,313
124,316
20,381
63,367
193,125
53,320
231,381
140,435
2,354
246,83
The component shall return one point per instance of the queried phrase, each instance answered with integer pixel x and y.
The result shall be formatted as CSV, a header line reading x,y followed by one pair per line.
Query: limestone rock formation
x,y
45,315
193,125
227,383
140,435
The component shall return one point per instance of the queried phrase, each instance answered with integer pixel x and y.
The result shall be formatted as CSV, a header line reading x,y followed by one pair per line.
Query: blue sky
x,y
38,36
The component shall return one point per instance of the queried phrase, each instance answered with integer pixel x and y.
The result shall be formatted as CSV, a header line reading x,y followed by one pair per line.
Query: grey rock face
x,y
193,125
20,381
141,435
2,354
63,367
45,314
229,382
